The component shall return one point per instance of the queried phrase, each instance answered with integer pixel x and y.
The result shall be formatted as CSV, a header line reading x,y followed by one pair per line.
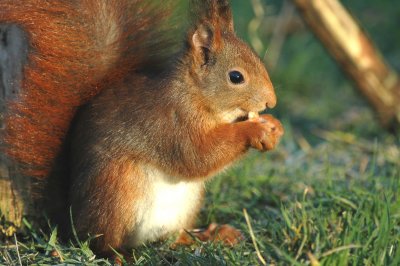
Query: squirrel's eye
x,y
236,77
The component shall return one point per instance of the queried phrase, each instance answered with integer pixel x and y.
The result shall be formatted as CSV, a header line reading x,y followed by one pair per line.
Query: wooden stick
x,y
348,44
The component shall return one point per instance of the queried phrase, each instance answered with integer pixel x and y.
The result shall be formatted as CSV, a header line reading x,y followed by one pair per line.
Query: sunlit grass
x,y
334,204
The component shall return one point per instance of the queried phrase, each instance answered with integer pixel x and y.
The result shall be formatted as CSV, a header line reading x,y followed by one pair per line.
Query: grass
x,y
329,195
334,203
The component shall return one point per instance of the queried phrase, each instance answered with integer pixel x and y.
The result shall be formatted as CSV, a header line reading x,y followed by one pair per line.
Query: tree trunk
x,y
353,50
15,193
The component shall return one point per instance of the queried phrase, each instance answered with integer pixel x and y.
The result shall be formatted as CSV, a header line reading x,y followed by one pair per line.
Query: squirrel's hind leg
x,y
105,207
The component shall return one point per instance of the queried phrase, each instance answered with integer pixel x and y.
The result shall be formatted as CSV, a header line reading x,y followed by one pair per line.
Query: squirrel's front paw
x,y
264,132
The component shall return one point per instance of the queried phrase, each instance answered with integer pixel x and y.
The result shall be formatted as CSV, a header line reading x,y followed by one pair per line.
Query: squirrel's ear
x,y
216,12
213,19
224,14
202,38
204,43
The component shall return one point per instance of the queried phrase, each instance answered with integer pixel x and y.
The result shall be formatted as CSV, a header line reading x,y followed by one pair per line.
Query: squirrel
x,y
133,145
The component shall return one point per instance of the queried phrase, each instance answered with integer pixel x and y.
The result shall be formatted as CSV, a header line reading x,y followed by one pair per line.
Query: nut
x,y
253,115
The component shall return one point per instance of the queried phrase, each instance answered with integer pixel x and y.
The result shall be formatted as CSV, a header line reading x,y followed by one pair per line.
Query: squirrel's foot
x,y
225,234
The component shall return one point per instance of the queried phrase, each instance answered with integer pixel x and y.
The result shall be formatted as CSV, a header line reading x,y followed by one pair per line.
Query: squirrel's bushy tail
x,y
75,48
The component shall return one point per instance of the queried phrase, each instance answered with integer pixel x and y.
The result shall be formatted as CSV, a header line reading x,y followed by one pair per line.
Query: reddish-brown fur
x,y
69,64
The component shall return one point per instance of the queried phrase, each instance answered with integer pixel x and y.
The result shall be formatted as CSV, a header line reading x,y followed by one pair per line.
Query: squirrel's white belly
x,y
168,205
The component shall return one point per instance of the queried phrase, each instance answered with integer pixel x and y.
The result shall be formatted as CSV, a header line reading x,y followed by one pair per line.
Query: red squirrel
x,y
134,148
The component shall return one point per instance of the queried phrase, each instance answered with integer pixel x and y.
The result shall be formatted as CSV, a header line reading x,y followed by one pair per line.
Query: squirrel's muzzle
x,y
271,98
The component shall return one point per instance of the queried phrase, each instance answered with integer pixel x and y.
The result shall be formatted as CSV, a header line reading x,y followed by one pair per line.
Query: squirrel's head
x,y
230,75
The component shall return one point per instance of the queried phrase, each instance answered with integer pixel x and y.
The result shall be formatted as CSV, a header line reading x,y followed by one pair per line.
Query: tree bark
x,y
348,44
15,192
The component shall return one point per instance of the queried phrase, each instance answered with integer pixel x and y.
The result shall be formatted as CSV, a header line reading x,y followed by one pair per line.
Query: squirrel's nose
x,y
271,99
